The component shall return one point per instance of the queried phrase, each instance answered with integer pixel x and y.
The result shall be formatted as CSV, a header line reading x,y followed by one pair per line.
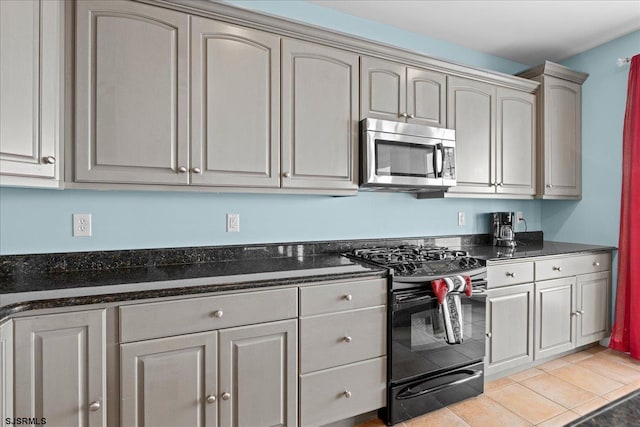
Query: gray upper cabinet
x,y
392,91
132,94
559,130
319,117
60,363
169,381
31,109
515,142
495,138
235,102
471,112
258,381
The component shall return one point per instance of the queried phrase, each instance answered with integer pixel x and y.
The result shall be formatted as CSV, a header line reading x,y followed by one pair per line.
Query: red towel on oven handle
x,y
441,289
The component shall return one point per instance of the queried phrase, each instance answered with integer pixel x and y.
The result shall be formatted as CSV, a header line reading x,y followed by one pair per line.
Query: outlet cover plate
x,y
233,223
81,225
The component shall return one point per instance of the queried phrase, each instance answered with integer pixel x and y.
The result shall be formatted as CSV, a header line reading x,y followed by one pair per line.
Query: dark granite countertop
x,y
30,282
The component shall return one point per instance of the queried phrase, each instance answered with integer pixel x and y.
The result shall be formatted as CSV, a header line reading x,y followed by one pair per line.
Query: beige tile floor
x,y
551,394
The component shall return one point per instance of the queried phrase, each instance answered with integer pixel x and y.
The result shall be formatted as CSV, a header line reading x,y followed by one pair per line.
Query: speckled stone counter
x,y
30,282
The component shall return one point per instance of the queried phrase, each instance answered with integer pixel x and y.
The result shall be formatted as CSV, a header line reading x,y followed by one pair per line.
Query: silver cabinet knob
x,y
577,313
217,313
94,406
488,334
348,297
182,169
500,184
347,339
196,170
50,160
347,394
549,185
287,174
405,115
508,274
581,311
596,264
554,268
412,116
210,398
226,396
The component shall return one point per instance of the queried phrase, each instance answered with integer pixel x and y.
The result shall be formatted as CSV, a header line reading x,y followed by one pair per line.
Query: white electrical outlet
x,y
460,219
81,225
233,223
519,217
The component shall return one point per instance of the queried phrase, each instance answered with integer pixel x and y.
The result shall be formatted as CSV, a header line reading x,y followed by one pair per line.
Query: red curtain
x,y
625,335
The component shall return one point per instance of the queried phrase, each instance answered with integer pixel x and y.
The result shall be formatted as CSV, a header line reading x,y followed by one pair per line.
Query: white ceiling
x,y
525,31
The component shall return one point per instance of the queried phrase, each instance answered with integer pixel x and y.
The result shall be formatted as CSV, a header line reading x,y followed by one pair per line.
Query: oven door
x,y
417,342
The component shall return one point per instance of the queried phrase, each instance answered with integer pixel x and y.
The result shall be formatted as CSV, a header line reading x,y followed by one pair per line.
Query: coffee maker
x,y
502,229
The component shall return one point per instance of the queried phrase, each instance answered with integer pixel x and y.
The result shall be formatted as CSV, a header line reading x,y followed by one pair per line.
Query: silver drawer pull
x,y
556,268
510,274
94,406
488,334
348,297
182,169
196,170
347,339
347,394
210,398
217,313
50,160
596,264
226,396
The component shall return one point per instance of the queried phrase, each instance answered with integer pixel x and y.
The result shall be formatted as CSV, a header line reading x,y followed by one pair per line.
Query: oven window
x,y
404,159
418,338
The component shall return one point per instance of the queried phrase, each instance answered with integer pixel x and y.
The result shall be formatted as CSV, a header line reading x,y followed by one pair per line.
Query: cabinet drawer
x,y
167,318
335,339
572,266
342,296
509,274
323,397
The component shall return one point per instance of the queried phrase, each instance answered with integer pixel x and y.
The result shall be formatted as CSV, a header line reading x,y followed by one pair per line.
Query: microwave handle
x,y
439,160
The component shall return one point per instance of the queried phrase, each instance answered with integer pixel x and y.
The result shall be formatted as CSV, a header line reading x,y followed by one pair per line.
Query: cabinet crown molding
x,y
549,68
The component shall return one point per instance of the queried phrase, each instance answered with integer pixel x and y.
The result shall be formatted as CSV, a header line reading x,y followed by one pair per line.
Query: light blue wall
x,y
37,221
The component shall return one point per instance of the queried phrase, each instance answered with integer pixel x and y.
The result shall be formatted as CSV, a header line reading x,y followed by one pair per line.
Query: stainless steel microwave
x,y
406,157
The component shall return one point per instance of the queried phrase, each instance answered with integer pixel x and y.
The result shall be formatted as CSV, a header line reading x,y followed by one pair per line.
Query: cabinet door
x,y
258,375
6,370
471,108
60,361
515,142
319,117
383,88
31,87
594,300
509,327
235,105
132,88
555,311
562,137
426,97
169,381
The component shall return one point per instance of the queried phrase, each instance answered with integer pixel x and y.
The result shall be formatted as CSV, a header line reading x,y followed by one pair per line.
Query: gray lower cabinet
x,y
235,105
509,327
593,294
392,91
6,370
555,309
319,117
559,130
59,364
257,378
132,92
31,107
169,381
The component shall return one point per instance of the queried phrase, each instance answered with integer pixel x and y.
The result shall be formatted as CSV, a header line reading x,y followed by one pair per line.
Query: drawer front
x,y
168,318
509,274
572,266
342,296
323,395
335,339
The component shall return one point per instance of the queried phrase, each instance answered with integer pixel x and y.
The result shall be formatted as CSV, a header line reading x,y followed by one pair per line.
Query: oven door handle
x,y
406,394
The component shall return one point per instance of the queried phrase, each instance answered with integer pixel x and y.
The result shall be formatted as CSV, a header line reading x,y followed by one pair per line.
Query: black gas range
x,y
427,370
